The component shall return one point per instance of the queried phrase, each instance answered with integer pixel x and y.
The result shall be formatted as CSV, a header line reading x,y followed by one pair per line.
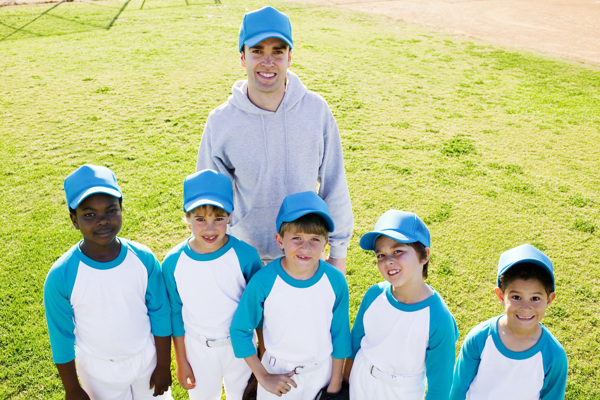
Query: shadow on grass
x,y
14,29
53,32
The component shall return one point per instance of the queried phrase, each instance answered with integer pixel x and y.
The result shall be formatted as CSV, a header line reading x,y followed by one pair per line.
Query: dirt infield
x,y
567,29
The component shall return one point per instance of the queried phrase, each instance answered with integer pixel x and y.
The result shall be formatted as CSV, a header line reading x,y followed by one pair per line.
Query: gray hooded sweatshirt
x,y
269,155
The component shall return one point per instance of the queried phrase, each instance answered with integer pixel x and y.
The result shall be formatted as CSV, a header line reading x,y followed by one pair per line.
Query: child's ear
x,y
428,252
74,220
500,295
279,240
551,298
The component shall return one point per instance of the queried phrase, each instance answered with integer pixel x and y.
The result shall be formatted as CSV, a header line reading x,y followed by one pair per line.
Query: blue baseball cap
x,y
402,226
262,24
207,187
297,205
87,180
524,253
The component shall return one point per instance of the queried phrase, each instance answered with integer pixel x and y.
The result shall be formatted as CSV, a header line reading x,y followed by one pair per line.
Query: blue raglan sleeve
x,y
555,370
340,323
176,304
157,300
59,312
249,259
249,313
468,361
440,353
358,329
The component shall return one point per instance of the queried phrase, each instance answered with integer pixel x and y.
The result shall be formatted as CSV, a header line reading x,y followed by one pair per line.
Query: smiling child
x,y
205,277
513,355
403,337
302,303
106,303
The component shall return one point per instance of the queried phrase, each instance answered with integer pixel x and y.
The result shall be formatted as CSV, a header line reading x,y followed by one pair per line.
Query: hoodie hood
x,y
295,91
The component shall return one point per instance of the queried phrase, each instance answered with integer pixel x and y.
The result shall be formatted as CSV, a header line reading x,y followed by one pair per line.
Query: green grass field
x,y
491,147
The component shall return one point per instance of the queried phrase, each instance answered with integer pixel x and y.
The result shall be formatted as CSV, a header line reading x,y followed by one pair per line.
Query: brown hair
x,y
209,209
421,251
310,223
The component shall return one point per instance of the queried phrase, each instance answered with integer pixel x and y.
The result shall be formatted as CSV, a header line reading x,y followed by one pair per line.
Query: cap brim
x,y
253,41
367,241
225,205
93,190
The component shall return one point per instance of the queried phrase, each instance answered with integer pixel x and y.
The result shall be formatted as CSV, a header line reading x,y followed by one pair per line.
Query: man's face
x,y
266,65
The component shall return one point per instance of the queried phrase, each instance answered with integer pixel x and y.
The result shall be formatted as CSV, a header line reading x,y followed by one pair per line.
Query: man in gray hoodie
x,y
273,137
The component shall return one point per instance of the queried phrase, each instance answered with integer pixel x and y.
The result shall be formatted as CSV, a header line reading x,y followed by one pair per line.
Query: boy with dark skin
x,y
123,331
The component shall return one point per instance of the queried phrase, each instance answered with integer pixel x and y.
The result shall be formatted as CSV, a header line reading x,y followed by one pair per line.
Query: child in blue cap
x,y
513,355
403,337
302,303
205,277
106,303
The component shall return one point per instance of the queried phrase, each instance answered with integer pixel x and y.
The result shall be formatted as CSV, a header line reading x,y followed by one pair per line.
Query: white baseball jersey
x,y
205,289
486,369
107,309
302,320
406,340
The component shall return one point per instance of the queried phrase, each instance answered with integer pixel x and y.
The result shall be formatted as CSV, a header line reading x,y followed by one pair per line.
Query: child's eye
x,y
536,298
515,297
379,256
89,215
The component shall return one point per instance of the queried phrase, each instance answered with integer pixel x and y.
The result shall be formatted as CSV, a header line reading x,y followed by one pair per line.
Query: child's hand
x,y
278,384
185,375
160,380
77,394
